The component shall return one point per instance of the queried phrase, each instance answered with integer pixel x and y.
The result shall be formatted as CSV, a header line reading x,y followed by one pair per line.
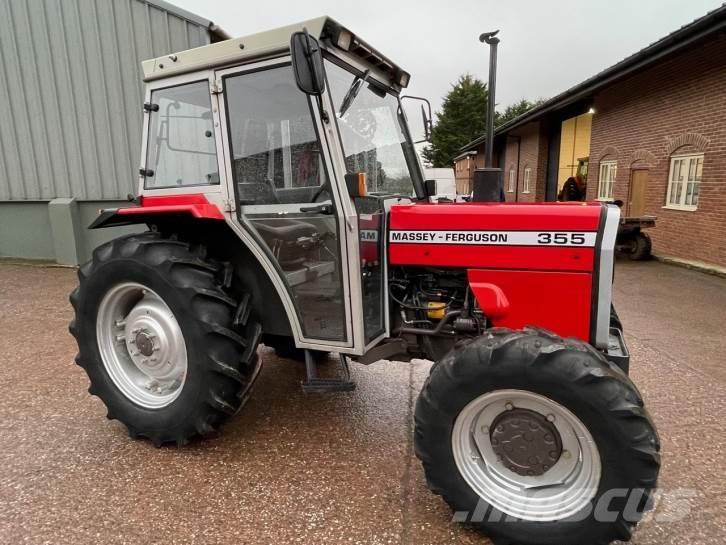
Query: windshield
x,y
375,138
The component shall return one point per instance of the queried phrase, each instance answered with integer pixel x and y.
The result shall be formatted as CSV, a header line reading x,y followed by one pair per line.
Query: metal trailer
x,y
631,239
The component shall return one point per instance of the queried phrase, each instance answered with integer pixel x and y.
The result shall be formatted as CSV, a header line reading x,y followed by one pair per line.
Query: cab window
x,y
276,155
181,150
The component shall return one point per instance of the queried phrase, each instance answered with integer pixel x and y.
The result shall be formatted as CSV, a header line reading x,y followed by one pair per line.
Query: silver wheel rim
x,y
141,345
561,491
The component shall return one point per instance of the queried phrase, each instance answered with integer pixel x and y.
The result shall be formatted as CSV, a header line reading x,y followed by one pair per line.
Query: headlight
x,y
344,39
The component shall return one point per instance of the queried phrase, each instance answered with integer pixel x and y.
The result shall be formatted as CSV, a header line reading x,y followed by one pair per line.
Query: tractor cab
x,y
298,137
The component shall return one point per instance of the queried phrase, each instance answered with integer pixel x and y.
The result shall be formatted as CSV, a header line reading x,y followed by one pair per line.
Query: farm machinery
x,y
281,201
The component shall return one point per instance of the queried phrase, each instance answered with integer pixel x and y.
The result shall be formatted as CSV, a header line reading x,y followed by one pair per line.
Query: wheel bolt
x,y
566,454
508,406
120,323
485,429
550,418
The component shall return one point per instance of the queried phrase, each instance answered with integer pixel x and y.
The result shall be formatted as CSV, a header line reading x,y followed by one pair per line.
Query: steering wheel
x,y
324,188
269,191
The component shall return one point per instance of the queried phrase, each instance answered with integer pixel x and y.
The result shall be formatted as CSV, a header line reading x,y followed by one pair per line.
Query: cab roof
x,y
271,43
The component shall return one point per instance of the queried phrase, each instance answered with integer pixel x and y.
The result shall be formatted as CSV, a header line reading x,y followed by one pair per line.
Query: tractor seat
x,y
283,236
285,230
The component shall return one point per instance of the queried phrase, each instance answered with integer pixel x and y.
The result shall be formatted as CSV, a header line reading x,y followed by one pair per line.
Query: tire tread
x,y
229,378
581,365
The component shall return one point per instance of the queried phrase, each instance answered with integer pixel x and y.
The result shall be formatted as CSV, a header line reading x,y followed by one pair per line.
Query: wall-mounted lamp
x,y
591,110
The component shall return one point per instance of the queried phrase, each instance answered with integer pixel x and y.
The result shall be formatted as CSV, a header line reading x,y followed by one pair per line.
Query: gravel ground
x,y
295,468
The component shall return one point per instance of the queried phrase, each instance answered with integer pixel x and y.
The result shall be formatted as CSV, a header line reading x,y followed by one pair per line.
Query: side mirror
x,y
307,63
426,119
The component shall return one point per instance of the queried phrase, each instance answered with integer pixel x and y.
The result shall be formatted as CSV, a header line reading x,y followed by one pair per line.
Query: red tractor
x,y
281,201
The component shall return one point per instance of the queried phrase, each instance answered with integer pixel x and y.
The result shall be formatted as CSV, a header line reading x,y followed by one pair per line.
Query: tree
x,y
460,121
463,118
515,110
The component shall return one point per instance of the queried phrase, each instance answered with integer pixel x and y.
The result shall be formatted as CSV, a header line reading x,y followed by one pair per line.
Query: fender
x,y
194,205
194,219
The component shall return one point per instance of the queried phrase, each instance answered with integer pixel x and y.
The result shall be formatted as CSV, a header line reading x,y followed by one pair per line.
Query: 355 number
x,y
565,239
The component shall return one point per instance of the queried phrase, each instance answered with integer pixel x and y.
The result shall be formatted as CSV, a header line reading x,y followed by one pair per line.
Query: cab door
x,y
287,199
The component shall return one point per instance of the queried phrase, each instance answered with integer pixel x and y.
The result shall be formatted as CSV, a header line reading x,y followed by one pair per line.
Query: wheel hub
x,y
142,345
525,442
153,339
526,455
145,343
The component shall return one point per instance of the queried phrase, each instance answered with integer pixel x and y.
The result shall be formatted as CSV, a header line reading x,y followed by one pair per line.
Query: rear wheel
x,y
537,440
167,350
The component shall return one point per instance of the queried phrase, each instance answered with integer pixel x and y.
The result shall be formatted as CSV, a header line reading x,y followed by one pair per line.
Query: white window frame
x,y
525,182
606,180
682,197
512,181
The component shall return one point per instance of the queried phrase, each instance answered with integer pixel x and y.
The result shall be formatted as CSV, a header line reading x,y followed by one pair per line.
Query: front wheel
x,y
537,440
167,350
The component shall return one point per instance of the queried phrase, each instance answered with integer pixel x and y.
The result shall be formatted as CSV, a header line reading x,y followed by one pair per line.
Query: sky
x,y
546,46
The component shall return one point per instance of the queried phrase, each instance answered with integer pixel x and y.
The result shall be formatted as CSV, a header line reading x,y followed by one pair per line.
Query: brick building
x,y
464,166
649,131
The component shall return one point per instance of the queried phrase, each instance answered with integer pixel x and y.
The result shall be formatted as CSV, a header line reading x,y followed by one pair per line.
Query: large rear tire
x,y
528,436
167,350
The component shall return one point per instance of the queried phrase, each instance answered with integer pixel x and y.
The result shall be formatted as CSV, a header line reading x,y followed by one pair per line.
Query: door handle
x,y
326,209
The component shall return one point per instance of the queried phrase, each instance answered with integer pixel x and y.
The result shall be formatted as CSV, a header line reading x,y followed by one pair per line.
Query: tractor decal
x,y
504,238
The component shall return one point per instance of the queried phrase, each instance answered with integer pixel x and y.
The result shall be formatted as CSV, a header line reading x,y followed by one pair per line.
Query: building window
x,y
512,181
525,183
684,180
608,171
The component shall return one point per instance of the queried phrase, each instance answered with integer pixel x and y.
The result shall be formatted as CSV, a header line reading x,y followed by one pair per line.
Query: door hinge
x,y
216,87
228,206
